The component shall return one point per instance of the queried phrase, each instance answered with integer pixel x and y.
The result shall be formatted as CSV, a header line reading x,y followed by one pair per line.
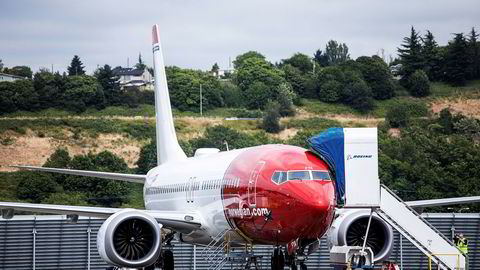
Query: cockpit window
x,y
320,175
279,177
299,175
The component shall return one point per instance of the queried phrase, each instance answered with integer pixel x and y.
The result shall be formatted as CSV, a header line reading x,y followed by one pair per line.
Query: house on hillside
x,y
9,78
130,77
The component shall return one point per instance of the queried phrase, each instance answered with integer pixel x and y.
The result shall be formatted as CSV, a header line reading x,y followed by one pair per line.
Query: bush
x,y
358,95
285,97
419,85
271,119
398,115
258,95
36,187
330,91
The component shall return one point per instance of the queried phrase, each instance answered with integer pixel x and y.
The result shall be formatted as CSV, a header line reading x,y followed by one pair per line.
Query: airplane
x,y
278,195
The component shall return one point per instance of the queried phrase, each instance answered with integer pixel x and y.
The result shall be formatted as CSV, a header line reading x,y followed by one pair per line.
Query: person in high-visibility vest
x,y
462,244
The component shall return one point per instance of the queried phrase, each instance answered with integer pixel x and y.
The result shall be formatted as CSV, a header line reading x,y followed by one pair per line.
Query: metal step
x,y
418,231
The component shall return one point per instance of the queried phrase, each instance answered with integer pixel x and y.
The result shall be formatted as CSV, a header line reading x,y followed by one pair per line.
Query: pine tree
x,y
109,82
431,56
76,67
456,61
474,55
140,65
215,69
410,56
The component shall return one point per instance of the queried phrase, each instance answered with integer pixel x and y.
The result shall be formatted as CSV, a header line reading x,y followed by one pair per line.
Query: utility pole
x,y
201,109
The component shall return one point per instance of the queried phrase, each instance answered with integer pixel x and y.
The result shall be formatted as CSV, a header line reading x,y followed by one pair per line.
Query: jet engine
x,y
129,238
350,226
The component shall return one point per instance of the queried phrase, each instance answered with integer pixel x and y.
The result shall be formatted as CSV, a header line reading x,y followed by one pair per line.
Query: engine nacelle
x,y
129,238
349,229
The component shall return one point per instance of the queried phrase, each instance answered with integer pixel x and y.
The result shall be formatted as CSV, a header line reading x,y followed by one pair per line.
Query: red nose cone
x,y
274,213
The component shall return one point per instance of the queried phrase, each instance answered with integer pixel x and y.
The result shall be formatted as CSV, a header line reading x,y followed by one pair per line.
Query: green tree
x,y
81,92
22,71
240,59
1,65
411,57
358,94
26,96
419,84
377,75
457,61
258,95
7,98
59,159
231,93
215,69
140,64
432,57
474,55
285,97
49,88
76,67
300,61
184,87
147,158
257,69
35,187
303,84
398,115
320,58
110,85
337,53
330,91
100,191
216,137
271,118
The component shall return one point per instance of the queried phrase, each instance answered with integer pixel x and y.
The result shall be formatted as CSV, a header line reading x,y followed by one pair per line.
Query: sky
x,y
198,33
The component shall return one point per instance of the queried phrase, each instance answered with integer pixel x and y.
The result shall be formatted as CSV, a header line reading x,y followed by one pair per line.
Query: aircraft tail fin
x,y
167,143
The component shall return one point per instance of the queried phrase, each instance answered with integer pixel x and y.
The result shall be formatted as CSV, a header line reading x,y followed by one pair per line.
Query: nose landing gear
x,y
296,261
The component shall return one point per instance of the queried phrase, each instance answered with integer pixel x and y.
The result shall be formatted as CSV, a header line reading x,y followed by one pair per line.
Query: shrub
x,y
358,95
330,91
398,115
271,119
35,187
419,85
285,97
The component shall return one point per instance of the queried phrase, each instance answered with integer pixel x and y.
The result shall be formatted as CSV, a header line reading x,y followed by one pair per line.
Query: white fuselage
x,y
192,185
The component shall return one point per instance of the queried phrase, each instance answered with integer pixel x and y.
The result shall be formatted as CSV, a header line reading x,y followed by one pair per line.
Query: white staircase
x,y
216,252
418,231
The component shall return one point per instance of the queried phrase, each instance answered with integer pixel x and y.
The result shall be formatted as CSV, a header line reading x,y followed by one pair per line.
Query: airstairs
x,y
352,155
216,252
419,232
219,252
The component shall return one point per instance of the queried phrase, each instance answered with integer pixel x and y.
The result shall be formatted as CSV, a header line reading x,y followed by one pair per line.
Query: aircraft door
x,y
252,183
190,189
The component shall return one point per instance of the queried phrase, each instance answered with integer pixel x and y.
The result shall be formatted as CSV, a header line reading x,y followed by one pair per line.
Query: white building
x,y
129,77
9,78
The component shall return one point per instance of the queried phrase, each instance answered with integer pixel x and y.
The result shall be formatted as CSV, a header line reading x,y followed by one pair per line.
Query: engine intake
x,y
129,238
349,229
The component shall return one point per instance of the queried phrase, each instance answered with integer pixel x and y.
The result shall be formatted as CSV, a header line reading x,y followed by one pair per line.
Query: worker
x,y
462,244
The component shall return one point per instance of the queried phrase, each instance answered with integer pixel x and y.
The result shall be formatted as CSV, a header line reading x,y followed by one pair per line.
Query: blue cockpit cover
x,y
329,145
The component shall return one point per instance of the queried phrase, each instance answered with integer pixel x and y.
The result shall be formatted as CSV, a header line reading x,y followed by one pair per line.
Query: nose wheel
x,y
296,262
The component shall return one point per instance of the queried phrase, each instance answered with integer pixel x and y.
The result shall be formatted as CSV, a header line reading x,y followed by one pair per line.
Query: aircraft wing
x,y
177,221
136,178
443,202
